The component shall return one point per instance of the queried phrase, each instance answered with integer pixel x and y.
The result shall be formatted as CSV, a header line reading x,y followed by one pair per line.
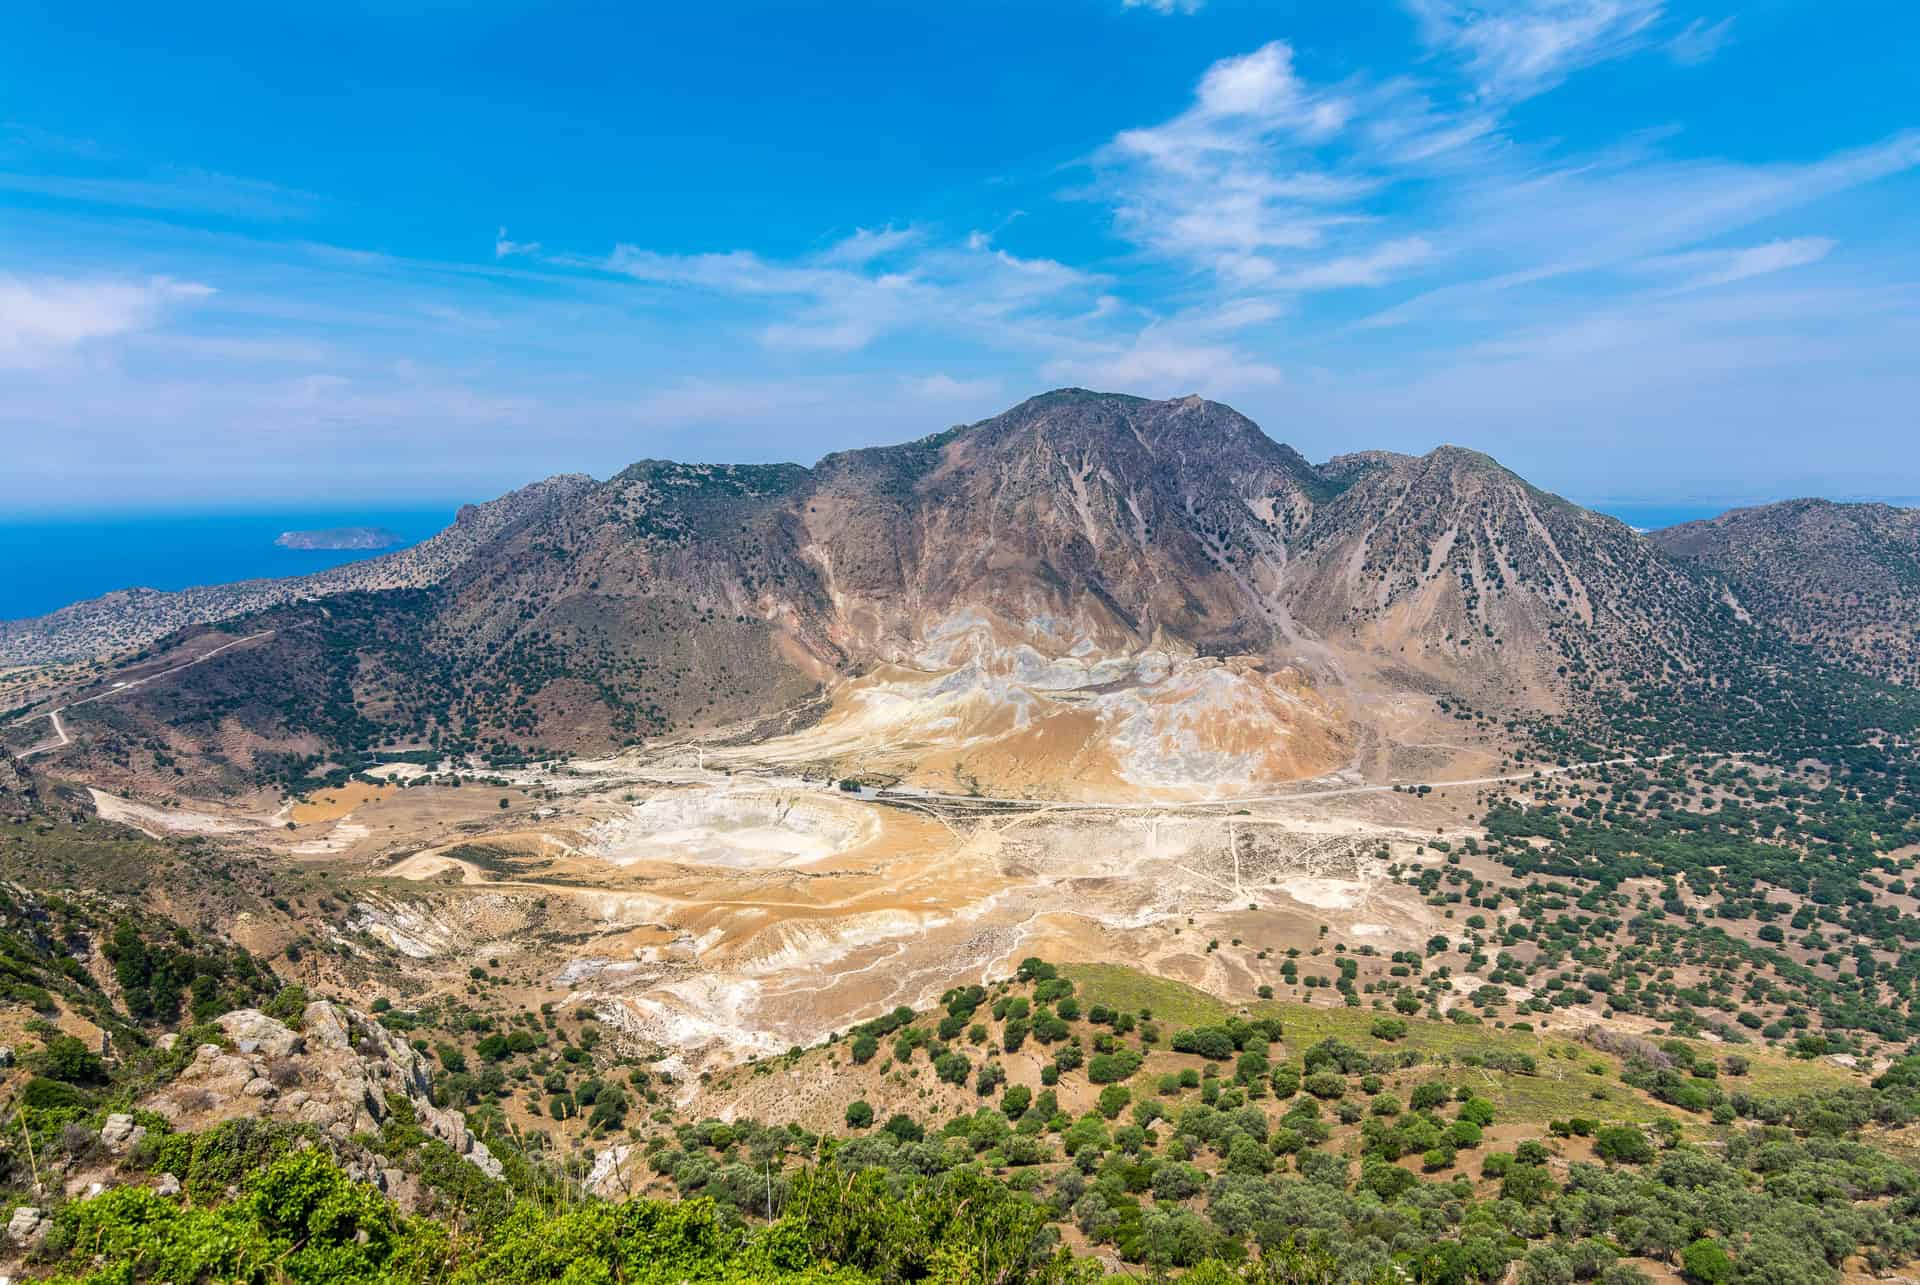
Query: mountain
x,y
1843,579
1090,592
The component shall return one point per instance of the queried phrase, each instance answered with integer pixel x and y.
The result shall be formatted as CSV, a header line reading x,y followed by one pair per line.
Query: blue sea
x,y
1651,516
47,562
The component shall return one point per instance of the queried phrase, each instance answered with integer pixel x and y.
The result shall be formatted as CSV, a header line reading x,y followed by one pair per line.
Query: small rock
x,y
167,1186
259,1087
6,1055
120,1133
166,1043
27,1227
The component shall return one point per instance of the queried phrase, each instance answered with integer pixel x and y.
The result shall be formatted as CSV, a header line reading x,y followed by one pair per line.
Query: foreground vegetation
x,y
1782,1201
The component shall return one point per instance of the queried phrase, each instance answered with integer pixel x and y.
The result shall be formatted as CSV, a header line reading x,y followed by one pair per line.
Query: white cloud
x,y
1699,42
942,387
867,244
505,249
1518,48
1702,269
1375,267
1164,7
1190,352
1161,367
1267,181
869,285
44,317
1527,226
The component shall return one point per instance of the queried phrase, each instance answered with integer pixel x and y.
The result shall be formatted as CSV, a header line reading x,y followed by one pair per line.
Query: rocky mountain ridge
x,y
1151,593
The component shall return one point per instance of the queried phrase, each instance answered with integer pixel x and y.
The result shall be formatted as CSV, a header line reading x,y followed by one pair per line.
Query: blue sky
x,y
359,252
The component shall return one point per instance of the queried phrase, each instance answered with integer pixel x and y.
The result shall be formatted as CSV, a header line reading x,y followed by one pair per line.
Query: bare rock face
x,y
617,1173
337,1072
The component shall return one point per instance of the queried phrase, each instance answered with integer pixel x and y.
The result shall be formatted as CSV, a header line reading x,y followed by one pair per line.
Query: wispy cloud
x,y
868,285
186,191
506,249
942,387
42,318
1273,188
1699,42
1703,269
1192,351
1230,185
1351,250
1530,223
1519,48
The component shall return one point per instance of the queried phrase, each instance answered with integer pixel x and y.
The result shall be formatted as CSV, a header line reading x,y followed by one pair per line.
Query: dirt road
x,y
62,740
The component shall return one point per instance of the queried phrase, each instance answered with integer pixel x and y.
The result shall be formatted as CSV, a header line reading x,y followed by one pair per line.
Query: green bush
x,y
1706,1263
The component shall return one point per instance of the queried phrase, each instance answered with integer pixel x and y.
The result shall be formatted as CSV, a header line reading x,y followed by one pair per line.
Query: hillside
x,y
1175,1133
1842,579
128,619
1623,1022
1090,593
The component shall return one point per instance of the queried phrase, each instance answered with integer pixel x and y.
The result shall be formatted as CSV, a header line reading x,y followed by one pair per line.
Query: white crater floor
x,y
745,830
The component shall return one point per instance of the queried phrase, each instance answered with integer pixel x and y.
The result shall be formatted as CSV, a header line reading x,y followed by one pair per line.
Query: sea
x,y
1651,516
47,562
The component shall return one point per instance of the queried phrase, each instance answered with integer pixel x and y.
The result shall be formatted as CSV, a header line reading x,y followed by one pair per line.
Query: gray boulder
x,y
120,1134
28,1227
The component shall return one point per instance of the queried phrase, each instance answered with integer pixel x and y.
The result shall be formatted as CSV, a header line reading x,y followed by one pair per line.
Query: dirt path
x,y
987,804
61,739
59,729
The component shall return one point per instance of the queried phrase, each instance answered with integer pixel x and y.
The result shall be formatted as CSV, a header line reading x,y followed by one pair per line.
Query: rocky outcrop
x,y
337,1072
19,790
120,1134
28,1227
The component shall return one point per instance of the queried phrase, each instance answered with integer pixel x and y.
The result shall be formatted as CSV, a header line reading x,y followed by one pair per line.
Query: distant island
x,y
345,537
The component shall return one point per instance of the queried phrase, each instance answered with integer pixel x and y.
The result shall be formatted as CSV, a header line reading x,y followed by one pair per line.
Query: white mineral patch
x,y
744,830
1325,894
153,820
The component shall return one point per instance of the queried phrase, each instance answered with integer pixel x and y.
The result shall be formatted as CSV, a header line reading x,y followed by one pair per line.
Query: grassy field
x,y
1565,1083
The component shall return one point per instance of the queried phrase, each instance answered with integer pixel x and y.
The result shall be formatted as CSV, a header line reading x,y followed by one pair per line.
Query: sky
x,y
358,252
